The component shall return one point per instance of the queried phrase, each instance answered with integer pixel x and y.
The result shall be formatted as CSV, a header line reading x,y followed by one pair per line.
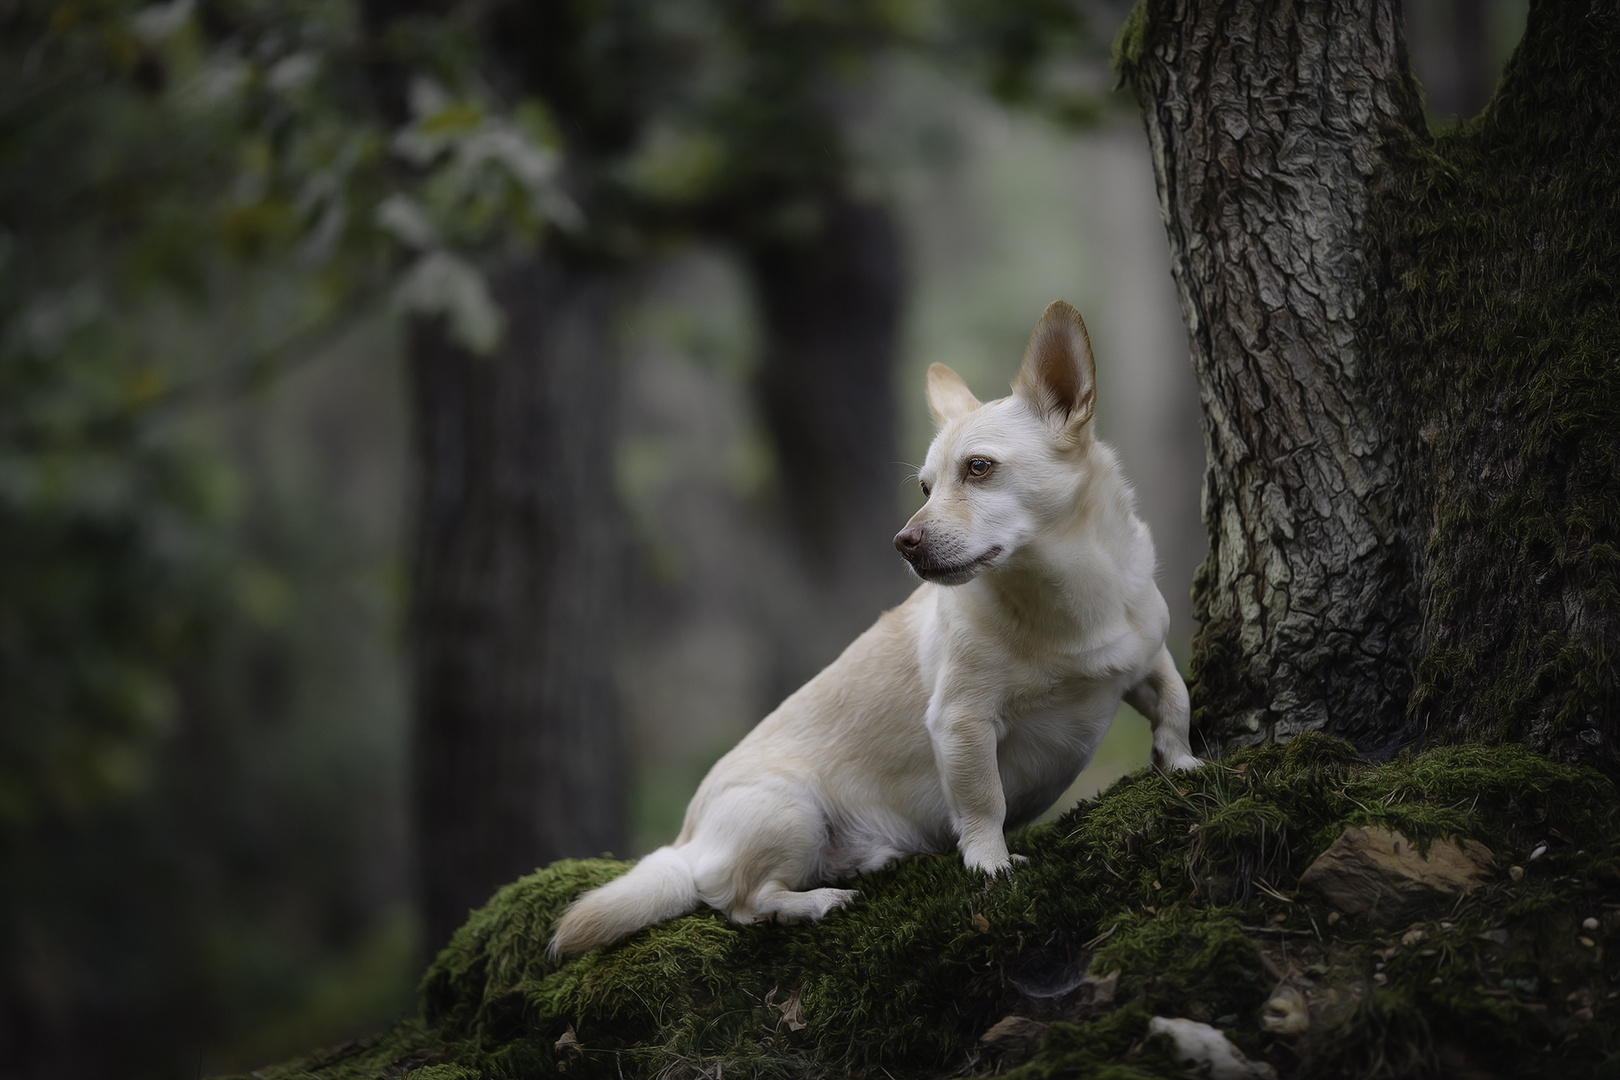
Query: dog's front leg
x,y
1162,698
964,736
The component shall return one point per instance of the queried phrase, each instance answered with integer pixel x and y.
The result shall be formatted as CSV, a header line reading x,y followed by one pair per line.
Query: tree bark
x,y
1502,327
1410,400
517,756
830,305
1307,598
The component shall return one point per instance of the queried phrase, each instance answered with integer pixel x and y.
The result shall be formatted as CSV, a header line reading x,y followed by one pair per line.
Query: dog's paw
x,y
1005,870
812,905
833,899
999,871
989,858
1177,761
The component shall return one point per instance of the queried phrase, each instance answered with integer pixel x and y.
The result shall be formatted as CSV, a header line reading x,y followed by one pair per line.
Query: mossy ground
x,y
1187,886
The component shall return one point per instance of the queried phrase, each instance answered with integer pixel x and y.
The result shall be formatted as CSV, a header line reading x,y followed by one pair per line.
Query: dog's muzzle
x,y
912,543
909,543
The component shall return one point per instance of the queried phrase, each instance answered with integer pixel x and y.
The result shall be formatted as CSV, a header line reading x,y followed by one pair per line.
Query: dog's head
x,y
998,473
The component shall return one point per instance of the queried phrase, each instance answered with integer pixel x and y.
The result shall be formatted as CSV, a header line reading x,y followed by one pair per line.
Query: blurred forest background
x,y
292,290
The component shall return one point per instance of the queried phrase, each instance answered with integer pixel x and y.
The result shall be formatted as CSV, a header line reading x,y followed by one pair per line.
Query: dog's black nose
x,y
908,541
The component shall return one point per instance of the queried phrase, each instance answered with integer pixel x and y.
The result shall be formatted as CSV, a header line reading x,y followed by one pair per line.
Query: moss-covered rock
x,y
1186,886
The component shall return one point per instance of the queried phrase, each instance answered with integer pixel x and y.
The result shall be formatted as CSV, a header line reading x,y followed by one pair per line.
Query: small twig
x,y
1260,883
1100,938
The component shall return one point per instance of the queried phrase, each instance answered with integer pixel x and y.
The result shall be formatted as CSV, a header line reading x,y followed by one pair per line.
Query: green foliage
x,y
147,160
1501,328
176,849
1128,43
1031,54
108,544
154,164
730,120
1114,1046
1180,885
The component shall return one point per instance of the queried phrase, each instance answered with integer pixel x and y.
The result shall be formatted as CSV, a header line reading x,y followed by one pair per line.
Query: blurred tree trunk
x,y
517,756
831,304
1346,323
1453,55
516,744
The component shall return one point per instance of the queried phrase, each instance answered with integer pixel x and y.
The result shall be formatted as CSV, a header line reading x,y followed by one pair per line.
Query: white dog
x,y
966,710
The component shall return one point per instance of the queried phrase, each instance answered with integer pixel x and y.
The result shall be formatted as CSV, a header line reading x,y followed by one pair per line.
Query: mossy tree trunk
x,y
1358,298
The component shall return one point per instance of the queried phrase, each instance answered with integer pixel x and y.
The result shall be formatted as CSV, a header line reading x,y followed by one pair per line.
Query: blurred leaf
x,y
404,218
439,283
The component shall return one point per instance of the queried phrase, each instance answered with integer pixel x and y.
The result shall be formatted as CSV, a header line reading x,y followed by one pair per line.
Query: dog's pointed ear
x,y
948,396
1059,376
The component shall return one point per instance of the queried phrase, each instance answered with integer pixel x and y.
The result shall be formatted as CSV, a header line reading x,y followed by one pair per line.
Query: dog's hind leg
x,y
1162,698
775,901
754,848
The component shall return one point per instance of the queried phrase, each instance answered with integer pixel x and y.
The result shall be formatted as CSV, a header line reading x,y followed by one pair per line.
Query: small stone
x,y
1581,1015
1516,873
1412,937
568,1048
1097,991
1376,872
1333,917
1495,937
1380,978
793,1012
1285,1013
1540,850
1208,1051
1436,981
1009,1031
1588,942
1589,923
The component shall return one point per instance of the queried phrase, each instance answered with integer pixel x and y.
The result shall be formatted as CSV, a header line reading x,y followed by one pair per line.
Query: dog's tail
x,y
658,887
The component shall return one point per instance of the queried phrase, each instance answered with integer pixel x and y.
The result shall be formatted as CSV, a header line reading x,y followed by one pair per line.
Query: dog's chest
x,y
1047,731
1056,712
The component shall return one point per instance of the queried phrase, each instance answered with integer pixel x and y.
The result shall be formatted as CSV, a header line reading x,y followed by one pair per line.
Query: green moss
x,y
1112,1047
1498,250
1188,887
1131,40
1224,682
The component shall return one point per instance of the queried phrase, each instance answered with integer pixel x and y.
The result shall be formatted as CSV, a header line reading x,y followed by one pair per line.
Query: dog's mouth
x,y
955,573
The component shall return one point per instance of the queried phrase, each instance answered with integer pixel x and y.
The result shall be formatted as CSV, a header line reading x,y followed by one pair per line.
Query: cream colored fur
x,y
966,710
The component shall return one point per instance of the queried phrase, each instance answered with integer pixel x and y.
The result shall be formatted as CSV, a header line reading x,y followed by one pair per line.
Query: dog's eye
x,y
927,491
979,466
